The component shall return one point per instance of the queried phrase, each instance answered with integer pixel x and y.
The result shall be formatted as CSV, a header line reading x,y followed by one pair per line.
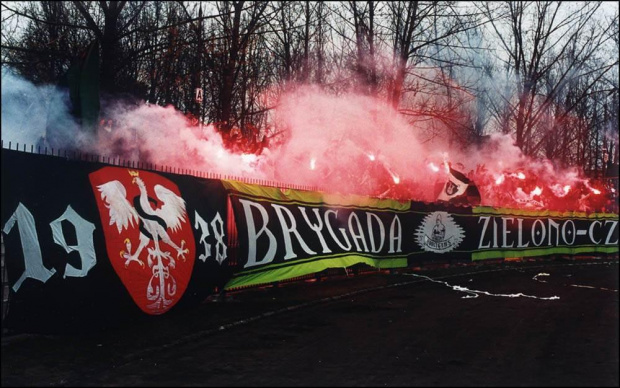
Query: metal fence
x,y
233,240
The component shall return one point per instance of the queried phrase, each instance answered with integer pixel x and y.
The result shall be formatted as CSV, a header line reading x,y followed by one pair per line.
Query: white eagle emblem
x,y
153,223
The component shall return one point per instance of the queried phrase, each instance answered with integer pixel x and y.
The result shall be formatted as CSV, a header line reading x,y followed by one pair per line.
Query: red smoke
x,y
351,143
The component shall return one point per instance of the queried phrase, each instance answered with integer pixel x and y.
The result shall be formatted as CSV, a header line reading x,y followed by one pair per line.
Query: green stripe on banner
x,y
277,274
315,197
480,210
504,253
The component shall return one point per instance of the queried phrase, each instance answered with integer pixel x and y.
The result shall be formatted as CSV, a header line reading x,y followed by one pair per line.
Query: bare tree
x,y
44,38
542,41
550,83
365,43
413,28
238,24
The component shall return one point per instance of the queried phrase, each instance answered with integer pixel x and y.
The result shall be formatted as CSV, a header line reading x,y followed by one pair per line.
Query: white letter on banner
x,y
33,261
288,230
535,232
571,233
369,217
592,232
614,224
520,240
201,224
484,230
506,232
342,230
253,235
316,228
85,246
393,234
554,225
360,235
218,231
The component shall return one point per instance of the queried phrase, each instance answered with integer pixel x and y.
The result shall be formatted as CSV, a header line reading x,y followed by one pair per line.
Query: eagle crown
x,y
135,175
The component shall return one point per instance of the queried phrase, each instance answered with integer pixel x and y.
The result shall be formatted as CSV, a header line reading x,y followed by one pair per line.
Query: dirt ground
x,y
375,329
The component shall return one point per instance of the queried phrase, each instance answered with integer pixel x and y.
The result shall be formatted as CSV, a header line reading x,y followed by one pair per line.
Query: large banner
x,y
90,237
288,233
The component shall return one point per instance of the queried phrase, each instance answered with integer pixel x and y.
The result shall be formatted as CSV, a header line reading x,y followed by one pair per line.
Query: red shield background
x,y
143,283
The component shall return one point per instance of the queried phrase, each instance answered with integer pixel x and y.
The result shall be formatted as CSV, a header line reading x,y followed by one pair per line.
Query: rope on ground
x,y
193,337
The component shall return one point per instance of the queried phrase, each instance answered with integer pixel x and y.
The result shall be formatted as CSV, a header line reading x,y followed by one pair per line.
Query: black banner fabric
x,y
83,236
516,233
86,237
287,233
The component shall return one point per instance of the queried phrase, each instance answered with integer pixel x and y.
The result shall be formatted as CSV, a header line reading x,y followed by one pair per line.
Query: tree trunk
x,y
229,70
398,83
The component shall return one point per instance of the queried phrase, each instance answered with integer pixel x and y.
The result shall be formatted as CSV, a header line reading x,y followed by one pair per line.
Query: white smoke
x,y
37,115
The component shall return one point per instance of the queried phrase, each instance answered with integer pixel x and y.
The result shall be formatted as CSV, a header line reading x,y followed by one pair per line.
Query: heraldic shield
x,y
148,235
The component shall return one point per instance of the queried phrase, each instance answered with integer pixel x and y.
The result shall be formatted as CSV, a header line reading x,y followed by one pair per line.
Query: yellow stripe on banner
x,y
315,197
269,275
482,210
506,253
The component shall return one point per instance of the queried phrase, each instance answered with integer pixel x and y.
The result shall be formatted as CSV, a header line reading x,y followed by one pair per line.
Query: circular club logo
x,y
439,233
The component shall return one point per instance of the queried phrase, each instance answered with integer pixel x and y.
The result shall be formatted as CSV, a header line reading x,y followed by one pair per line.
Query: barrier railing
x,y
121,162
232,233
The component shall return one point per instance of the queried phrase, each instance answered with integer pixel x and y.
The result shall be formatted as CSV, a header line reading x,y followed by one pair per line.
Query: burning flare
x,y
536,191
